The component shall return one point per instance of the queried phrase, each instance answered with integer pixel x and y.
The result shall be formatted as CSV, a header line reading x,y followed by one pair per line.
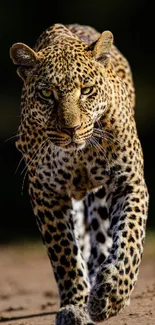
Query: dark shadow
x,y
7,319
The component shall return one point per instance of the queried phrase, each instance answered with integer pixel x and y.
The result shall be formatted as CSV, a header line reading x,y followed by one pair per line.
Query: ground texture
x,y
28,293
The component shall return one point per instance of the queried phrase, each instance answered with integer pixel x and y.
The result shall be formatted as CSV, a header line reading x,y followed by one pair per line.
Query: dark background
x,y
132,23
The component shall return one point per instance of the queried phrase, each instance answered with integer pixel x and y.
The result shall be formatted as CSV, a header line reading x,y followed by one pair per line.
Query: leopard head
x,y
66,85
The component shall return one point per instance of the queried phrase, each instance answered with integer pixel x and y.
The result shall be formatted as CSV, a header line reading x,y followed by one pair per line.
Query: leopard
x,y
85,167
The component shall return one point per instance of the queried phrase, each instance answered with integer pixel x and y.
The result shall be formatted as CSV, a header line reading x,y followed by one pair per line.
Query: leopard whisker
x,y
41,146
23,182
15,136
19,164
110,141
108,134
103,136
99,148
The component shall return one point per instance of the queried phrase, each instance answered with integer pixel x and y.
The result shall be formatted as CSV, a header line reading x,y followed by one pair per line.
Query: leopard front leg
x,y
99,228
117,276
54,218
80,218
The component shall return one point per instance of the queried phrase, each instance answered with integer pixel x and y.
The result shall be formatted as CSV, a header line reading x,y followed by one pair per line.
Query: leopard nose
x,y
71,131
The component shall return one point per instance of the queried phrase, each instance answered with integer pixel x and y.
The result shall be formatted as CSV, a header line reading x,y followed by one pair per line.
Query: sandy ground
x,y
28,293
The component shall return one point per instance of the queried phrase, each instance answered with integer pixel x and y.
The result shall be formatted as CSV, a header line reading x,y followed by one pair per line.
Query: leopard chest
x,y
74,174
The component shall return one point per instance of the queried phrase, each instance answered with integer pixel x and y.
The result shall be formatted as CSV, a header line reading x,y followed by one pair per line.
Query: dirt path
x,y
28,293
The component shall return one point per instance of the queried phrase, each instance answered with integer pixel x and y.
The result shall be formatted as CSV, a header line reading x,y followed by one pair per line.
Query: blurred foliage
x,y
132,25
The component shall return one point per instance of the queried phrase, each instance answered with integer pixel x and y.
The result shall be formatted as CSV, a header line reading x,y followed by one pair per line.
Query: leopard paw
x,y
106,299
73,315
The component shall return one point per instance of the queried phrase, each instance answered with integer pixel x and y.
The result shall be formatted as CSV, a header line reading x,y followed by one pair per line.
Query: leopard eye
x,y
46,93
87,90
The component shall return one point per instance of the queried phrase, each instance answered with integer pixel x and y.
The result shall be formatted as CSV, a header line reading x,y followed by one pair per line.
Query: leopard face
x,y
66,88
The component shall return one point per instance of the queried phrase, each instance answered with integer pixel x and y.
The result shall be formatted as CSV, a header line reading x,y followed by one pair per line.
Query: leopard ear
x,y
23,56
101,48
